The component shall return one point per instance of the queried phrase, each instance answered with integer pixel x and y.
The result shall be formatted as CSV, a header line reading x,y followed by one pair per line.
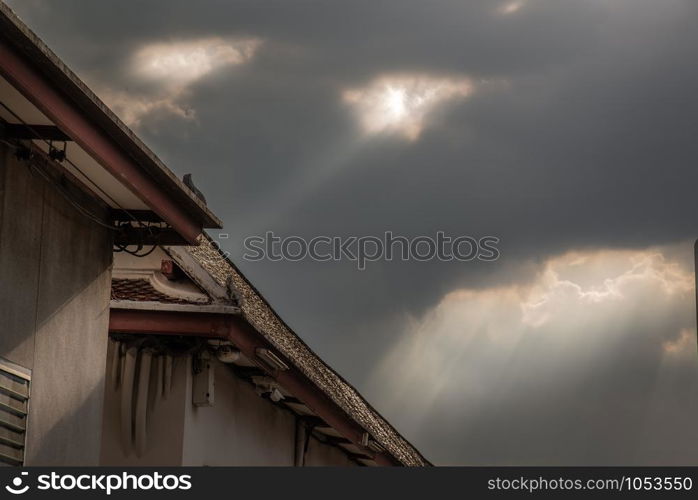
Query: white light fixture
x,y
271,359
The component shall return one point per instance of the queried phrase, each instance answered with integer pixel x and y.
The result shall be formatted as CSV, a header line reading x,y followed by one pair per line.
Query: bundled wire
x,y
138,252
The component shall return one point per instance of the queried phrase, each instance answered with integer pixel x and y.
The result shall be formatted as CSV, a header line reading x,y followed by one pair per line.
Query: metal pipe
x,y
300,440
42,94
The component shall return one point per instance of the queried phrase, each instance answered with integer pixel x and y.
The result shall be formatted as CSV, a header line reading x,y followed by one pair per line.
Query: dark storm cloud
x,y
580,134
592,362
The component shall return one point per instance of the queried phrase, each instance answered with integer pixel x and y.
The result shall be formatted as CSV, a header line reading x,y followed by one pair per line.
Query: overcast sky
x,y
568,129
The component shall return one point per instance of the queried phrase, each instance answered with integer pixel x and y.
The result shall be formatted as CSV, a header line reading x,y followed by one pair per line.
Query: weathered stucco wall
x,y
165,429
54,297
320,454
241,428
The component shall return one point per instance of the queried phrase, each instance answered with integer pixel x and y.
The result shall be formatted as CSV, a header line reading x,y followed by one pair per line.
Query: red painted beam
x,y
248,340
169,323
71,120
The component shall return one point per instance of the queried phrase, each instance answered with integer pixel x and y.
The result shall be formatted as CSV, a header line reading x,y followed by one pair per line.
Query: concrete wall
x,y
241,428
54,298
165,420
320,454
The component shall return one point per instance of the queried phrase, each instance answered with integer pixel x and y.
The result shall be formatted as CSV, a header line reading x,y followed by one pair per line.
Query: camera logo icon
x,y
16,488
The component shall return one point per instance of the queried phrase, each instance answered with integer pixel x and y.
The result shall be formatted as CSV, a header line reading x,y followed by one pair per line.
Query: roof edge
x,y
356,405
22,38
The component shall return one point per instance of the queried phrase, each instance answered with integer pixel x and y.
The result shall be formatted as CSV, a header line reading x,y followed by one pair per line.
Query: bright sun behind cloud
x,y
401,104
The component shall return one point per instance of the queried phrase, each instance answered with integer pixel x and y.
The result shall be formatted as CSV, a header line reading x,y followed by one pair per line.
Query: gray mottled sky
x,y
566,128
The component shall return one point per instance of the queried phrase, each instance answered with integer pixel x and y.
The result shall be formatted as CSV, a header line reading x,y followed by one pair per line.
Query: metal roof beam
x,y
248,340
91,138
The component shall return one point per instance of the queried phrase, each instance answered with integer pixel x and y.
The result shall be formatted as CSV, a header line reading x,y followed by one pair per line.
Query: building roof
x,y
264,319
142,290
23,53
138,284
221,270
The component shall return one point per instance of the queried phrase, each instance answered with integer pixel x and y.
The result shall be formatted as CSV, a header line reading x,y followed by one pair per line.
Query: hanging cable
x,y
66,195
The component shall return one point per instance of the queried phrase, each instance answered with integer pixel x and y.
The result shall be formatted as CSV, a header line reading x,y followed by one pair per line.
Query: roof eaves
x,y
27,42
264,319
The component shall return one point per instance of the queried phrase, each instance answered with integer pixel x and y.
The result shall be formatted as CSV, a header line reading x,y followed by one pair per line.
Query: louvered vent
x,y
14,404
